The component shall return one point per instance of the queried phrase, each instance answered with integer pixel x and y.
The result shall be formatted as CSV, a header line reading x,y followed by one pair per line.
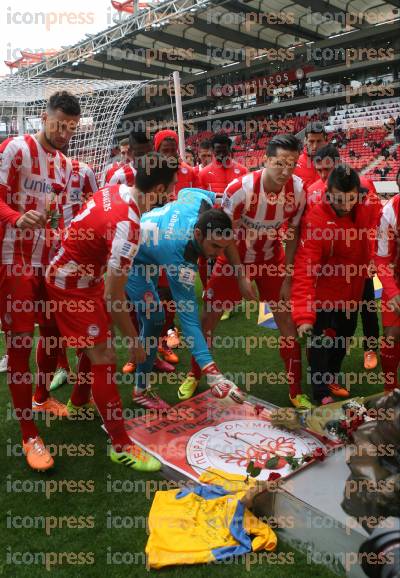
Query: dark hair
x,y
344,179
315,127
215,223
123,142
189,150
221,138
205,144
328,151
153,169
138,137
65,101
288,142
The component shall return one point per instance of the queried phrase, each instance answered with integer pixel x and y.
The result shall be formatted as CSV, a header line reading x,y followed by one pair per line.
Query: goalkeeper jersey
x,y
167,241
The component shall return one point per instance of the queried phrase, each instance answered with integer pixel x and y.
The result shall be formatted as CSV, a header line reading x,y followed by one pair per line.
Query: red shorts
x,y
389,318
81,315
23,299
223,291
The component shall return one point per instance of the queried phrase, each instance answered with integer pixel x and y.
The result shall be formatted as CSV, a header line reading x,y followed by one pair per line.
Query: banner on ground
x,y
206,432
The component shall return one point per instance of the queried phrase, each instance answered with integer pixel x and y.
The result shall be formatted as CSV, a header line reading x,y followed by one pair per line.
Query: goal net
x,y
103,103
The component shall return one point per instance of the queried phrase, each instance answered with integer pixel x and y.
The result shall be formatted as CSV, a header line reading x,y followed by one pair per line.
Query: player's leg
x,y
143,294
369,318
109,405
344,326
390,356
46,360
81,392
62,371
320,374
17,310
49,345
221,293
165,353
269,287
390,345
91,329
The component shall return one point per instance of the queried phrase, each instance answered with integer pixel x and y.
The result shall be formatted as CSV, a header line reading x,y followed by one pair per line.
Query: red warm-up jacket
x,y
217,176
332,259
306,170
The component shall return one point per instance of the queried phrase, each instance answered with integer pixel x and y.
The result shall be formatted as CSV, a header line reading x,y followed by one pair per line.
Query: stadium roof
x,y
197,36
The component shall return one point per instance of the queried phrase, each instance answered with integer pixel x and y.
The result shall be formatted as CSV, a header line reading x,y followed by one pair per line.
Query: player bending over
x,y
104,237
174,236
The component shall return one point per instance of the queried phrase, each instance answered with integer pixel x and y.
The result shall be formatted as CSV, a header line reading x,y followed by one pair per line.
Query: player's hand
x,y
371,270
304,330
220,386
31,220
137,354
286,289
394,304
246,289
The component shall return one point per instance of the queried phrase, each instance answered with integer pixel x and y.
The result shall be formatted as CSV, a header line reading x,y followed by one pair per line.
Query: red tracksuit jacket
x,y
306,170
332,258
216,177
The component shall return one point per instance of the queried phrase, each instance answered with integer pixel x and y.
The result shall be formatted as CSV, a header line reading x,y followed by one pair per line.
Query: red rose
x,y
319,454
273,476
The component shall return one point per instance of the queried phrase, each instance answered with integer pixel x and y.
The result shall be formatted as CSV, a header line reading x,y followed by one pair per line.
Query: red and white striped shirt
x,y
31,178
125,175
387,256
80,188
105,233
109,171
259,215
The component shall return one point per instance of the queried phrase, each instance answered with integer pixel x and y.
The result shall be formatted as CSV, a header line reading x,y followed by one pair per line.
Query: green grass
x,y
101,503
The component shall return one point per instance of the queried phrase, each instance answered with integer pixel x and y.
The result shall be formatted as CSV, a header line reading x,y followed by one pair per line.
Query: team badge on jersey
x,y
93,330
187,276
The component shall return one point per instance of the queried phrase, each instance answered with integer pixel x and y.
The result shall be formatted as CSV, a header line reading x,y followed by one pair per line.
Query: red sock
x,y
84,380
390,358
290,352
19,379
108,403
196,370
62,360
47,351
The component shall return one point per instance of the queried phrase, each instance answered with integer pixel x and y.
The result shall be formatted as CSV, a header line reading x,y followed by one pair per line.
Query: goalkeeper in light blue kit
x,y
173,237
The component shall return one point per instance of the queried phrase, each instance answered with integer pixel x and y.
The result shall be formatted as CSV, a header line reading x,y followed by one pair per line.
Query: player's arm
x,y
123,245
245,285
183,291
386,252
307,263
233,204
11,161
292,239
118,307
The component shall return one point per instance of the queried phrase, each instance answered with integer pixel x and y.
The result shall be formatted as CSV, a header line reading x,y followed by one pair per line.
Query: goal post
x,y
103,103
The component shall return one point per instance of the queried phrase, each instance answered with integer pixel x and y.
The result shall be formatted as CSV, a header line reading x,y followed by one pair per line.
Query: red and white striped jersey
x,y
80,188
125,175
259,215
105,233
31,178
387,248
109,171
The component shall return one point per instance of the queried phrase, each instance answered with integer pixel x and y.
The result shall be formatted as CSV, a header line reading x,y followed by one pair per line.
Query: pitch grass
x,y
101,504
